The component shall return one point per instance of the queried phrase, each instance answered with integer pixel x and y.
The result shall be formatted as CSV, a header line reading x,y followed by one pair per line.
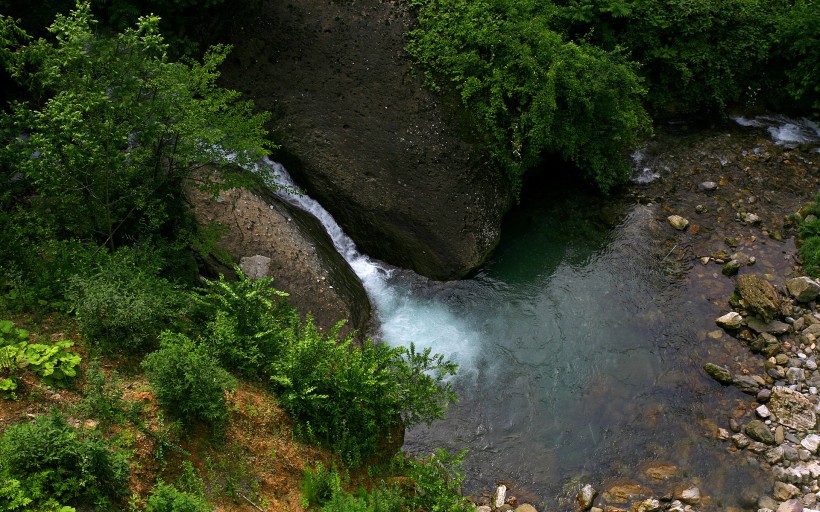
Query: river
x,y
580,345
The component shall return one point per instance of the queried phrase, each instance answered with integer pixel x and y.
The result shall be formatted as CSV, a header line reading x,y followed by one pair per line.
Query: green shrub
x,y
103,396
798,49
349,397
436,482
123,305
187,381
53,461
167,498
379,500
810,247
319,484
529,91
248,322
52,363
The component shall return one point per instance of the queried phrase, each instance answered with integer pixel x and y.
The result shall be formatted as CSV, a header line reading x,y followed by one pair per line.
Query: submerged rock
x,y
678,222
719,373
758,431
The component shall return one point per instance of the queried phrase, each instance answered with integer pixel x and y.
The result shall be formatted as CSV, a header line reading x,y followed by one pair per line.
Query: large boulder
x,y
271,238
803,289
760,297
364,136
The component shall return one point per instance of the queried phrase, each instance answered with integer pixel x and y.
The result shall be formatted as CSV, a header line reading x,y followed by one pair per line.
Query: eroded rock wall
x,y
364,136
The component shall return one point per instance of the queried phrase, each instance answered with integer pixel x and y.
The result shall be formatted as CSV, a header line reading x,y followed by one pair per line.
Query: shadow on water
x,y
579,357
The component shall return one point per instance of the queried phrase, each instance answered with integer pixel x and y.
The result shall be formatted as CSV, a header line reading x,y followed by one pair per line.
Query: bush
x,y
123,305
167,498
436,482
798,47
54,462
187,381
248,322
349,397
319,484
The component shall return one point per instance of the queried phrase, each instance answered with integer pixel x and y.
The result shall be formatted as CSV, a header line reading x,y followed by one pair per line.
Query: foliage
x,y
52,363
388,499
349,396
248,322
187,381
55,463
798,46
530,91
167,498
103,396
319,484
436,482
122,304
115,128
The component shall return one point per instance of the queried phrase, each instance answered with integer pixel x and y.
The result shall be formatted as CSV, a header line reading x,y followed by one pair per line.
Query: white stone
x,y
678,222
500,496
690,496
763,411
731,320
811,442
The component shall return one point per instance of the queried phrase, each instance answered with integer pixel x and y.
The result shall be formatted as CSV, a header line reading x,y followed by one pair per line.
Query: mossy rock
x,y
760,297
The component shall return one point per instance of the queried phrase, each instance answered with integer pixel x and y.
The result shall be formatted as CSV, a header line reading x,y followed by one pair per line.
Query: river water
x,y
580,350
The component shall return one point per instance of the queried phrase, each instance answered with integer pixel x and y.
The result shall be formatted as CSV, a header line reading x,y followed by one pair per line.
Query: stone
x,y
791,506
792,409
649,505
783,491
689,496
624,493
811,442
795,375
773,327
774,455
767,502
751,218
803,289
255,267
484,508
708,186
731,321
759,296
500,496
678,222
719,373
661,471
525,507
585,497
746,383
763,396
758,431
741,441
731,268
763,411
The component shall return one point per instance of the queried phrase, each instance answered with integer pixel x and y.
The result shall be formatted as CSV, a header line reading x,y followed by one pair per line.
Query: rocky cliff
x,y
362,134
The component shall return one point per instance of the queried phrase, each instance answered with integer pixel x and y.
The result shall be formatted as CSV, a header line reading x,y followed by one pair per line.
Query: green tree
x,y
114,128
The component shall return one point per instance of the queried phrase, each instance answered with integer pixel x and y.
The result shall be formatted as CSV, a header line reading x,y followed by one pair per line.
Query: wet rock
x,y
803,289
774,455
484,508
740,441
708,186
795,375
525,507
624,493
746,383
758,431
791,506
661,471
731,267
649,505
767,502
585,497
730,321
792,409
772,327
763,412
763,395
766,345
750,218
256,266
678,222
719,373
783,491
760,296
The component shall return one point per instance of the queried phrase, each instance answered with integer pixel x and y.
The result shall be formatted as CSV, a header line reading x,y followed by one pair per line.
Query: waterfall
x,y
404,313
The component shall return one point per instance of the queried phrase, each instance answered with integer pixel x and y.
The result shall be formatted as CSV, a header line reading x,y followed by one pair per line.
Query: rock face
x,y
760,296
272,238
364,136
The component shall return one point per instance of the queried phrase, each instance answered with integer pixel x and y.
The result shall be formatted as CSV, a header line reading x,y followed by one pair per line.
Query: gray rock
x,y
763,395
731,321
763,411
790,453
773,327
758,431
795,375
689,496
742,441
774,455
719,373
803,289
751,218
255,267
500,496
792,409
767,502
585,497
708,186
678,222
746,384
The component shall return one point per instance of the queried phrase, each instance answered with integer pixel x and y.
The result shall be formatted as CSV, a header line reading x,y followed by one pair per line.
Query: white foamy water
x,y
405,316
783,130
